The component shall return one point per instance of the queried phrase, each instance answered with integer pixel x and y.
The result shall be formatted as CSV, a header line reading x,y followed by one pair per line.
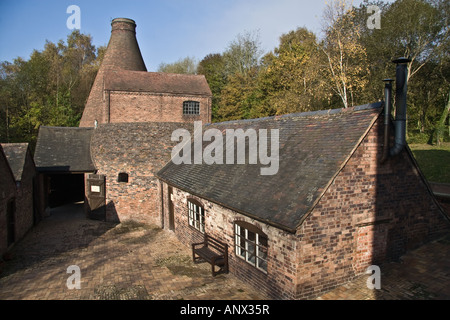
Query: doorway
x,y
171,210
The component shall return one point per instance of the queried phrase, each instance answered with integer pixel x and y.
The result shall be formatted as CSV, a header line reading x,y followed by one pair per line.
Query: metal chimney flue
x,y
387,117
400,103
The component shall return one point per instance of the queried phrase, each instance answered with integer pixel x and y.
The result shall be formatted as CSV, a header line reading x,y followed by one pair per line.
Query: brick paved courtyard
x,y
142,262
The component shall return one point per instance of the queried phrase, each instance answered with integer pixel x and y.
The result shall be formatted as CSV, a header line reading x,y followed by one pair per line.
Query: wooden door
x,y
97,196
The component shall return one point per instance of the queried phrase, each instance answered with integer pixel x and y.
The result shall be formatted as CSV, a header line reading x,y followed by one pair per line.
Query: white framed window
x,y
251,245
191,108
196,215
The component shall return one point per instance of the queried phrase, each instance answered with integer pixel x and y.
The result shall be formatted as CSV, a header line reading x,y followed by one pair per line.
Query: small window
x,y
123,177
196,215
191,108
251,245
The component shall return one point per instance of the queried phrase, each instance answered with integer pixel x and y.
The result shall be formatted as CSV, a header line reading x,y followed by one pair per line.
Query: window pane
x,y
262,264
191,107
262,252
251,236
262,241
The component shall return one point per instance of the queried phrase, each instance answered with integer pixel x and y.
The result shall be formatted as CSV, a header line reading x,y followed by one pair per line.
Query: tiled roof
x,y
313,147
16,154
64,149
156,82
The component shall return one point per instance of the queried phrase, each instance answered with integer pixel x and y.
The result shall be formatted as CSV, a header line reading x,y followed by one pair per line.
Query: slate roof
x,y
4,163
314,146
16,154
63,150
156,82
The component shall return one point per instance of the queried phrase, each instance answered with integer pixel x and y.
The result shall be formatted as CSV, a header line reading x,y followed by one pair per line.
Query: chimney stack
x,y
401,83
122,53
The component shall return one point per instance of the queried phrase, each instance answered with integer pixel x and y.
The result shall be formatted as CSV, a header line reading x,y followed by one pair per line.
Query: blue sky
x,y
166,30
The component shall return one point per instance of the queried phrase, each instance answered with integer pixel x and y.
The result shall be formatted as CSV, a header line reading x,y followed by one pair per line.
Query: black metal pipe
x,y
387,117
400,101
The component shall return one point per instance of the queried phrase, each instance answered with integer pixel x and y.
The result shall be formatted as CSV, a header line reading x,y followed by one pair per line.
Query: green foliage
x,y
49,89
187,65
344,67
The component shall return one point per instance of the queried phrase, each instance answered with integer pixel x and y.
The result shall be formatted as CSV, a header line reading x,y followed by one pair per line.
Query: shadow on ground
x,y
64,230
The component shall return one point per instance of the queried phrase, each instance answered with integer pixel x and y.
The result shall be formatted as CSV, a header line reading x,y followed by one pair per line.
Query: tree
x,y
243,54
186,65
241,62
347,60
417,29
50,88
289,80
213,68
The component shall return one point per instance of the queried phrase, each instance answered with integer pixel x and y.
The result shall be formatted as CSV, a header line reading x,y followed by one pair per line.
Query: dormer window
x,y
191,108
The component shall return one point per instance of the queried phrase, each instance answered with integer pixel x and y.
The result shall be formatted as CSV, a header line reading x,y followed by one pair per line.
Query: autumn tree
x,y
186,65
50,88
417,29
290,80
213,68
346,58
241,61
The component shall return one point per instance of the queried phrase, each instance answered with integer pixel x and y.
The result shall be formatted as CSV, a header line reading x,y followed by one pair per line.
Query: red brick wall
x,y
371,213
140,150
278,282
145,107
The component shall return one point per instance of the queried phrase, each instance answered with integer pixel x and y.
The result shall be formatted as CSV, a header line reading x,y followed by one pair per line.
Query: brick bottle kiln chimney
x,y
122,53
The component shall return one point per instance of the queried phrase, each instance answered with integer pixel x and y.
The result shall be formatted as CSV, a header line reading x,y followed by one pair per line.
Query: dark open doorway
x,y
66,188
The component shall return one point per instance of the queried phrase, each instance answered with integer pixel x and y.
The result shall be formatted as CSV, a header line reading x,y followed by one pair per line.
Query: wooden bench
x,y
213,251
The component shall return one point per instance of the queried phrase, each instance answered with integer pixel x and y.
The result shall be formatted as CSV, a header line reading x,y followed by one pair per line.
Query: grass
x,y
434,161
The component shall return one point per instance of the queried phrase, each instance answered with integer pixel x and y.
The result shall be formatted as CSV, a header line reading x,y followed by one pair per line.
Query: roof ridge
x,y
156,73
325,112
80,128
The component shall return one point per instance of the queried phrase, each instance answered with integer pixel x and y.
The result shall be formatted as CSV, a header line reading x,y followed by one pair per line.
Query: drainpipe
x,y
387,117
400,101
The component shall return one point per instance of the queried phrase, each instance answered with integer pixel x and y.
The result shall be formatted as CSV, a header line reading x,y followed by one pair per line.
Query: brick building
x,y
19,210
123,90
62,158
335,206
331,211
128,155
124,134
7,203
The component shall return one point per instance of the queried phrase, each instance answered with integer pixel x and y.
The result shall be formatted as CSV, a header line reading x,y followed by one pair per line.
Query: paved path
x,y
126,261
135,261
